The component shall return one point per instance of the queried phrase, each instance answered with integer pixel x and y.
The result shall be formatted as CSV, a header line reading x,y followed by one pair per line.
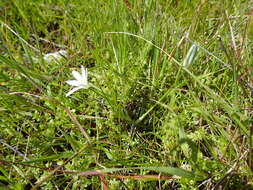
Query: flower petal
x,y
74,82
56,56
84,75
63,53
77,75
84,71
73,90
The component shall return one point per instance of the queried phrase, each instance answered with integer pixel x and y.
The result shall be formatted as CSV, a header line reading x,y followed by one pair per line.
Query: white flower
x,y
56,56
80,82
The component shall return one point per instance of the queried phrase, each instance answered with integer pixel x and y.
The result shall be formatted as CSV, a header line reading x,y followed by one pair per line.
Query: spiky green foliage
x,y
145,112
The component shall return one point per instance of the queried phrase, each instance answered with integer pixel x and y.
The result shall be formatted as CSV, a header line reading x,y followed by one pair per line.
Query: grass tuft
x,y
169,104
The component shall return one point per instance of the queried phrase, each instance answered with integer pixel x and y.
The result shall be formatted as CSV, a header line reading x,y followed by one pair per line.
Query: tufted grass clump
x,y
169,103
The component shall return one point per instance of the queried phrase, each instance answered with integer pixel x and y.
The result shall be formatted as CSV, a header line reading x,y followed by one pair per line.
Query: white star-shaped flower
x,y
80,82
56,56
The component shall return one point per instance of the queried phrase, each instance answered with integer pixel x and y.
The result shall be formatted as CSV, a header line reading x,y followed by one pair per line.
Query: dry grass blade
x,y
16,34
44,179
218,185
66,109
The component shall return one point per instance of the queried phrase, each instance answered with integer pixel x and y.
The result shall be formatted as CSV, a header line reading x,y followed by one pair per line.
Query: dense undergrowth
x,y
148,121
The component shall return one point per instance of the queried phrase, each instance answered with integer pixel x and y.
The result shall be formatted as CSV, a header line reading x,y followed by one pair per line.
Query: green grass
x,y
146,122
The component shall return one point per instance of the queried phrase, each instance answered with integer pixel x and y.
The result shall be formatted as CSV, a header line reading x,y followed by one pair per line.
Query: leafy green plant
x,y
169,104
